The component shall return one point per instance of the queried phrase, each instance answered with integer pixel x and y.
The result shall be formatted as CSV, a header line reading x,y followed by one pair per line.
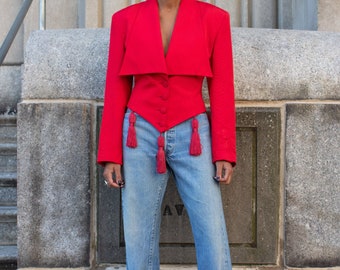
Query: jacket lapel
x,y
144,49
187,53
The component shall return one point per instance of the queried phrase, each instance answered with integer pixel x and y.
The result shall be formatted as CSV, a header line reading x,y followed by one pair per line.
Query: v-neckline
x,y
166,52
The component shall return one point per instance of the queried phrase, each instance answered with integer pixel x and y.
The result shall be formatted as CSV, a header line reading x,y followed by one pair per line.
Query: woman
x,y
154,123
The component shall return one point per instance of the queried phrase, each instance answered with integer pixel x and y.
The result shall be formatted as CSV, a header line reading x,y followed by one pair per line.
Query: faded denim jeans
x,y
144,190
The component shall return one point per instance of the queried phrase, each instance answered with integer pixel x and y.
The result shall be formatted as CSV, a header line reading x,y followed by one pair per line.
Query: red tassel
x,y
161,166
131,140
195,144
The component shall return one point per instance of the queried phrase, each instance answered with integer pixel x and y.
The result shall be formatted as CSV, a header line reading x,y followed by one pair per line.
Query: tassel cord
x,y
131,140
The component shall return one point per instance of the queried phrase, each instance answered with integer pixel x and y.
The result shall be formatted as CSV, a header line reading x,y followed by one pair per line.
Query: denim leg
x,y
200,194
144,192
142,198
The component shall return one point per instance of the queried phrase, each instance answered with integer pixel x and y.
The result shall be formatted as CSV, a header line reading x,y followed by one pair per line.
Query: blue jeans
x,y
144,190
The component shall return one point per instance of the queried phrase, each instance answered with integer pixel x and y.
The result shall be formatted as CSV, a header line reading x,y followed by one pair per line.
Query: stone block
x,y
251,202
312,211
269,64
54,144
71,64
10,87
286,64
328,15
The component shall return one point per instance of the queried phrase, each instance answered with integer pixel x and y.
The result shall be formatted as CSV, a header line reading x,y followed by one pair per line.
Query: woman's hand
x,y
112,175
224,172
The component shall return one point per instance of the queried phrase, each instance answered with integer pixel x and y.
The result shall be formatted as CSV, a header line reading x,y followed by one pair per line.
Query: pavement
x,y
188,267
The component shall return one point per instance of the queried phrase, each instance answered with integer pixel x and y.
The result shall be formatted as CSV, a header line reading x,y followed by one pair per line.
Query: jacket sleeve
x,y
221,93
117,92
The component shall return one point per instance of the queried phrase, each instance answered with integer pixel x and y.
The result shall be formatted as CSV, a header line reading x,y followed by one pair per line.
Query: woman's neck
x,y
168,4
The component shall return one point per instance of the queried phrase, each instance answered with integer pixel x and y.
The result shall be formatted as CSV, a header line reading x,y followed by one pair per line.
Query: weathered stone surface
x,y
54,184
328,15
10,88
71,64
251,202
269,64
312,214
286,64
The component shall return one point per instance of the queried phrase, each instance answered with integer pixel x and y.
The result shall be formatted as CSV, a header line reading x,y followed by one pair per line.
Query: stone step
x,y
9,148
8,196
8,225
6,120
8,213
8,129
8,257
8,189
8,163
8,179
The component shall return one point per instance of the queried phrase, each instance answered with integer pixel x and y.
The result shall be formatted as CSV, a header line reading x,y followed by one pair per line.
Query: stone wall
x,y
328,15
292,73
303,80
285,14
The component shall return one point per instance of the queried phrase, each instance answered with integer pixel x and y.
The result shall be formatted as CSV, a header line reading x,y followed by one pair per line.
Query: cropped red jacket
x,y
167,89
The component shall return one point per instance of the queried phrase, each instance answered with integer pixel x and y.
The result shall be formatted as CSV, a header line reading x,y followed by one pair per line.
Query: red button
x,y
163,110
165,84
165,96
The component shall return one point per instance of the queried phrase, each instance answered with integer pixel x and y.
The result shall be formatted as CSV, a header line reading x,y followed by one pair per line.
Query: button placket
x,y
163,104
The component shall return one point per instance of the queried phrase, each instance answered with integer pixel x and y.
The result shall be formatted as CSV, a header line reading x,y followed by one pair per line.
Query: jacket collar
x,y
187,53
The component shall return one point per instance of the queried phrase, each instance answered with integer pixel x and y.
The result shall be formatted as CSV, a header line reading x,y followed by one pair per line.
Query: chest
x,y
167,20
173,43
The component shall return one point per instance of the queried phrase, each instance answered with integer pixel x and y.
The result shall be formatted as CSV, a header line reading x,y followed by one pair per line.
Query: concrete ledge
x,y
285,64
269,64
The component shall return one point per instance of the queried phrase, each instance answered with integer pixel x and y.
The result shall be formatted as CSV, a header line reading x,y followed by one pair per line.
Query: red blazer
x,y
168,88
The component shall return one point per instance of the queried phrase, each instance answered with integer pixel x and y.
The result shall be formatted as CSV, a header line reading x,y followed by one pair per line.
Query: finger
x,y
110,181
218,174
118,176
108,176
224,171
227,180
224,174
229,173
